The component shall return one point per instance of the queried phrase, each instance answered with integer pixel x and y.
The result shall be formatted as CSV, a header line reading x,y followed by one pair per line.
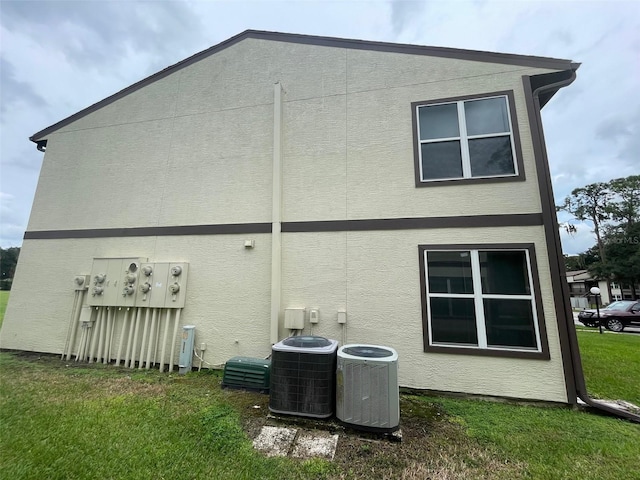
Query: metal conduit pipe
x,y
101,333
152,329
95,333
88,327
73,314
164,339
145,332
122,331
76,320
83,336
154,356
114,323
175,338
108,329
132,360
134,319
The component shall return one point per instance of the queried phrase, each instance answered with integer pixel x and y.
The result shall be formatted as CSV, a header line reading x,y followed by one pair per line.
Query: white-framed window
x,y
466,138
481,299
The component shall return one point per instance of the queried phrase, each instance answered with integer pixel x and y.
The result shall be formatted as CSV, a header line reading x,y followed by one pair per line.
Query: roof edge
x,y
443,52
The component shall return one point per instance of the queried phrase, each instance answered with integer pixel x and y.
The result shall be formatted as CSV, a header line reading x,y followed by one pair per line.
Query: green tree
x,y
591,203
622,262
582,261
8,262
625,209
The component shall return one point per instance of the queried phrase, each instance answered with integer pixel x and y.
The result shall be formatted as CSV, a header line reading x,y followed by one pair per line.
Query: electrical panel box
x,y
113,281
186,348
158,285
145,286
129,282
294,318
162,285
176,285
98,282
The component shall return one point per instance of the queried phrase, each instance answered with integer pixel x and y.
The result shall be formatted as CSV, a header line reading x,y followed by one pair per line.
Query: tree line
x,y
614,210
8,261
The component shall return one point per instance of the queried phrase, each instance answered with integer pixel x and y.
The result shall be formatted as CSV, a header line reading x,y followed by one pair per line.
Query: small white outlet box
x,y
342,316
314,315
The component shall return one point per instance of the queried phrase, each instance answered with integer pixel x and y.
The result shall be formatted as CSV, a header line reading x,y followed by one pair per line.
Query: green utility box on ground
x,y
247,373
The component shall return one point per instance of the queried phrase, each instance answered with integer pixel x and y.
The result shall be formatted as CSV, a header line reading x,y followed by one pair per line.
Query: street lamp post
x,y
595,291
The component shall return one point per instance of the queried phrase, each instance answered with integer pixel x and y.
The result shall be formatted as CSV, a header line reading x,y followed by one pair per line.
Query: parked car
x,y
615,316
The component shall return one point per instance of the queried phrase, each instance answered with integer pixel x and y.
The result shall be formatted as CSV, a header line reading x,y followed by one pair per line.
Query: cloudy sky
x,y
57,57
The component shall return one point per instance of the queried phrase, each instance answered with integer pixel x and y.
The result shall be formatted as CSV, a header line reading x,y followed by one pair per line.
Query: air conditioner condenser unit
x,y
367,390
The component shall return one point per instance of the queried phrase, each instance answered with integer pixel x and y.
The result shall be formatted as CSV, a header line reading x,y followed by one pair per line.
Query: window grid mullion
x,y
464,143
478,304
488,135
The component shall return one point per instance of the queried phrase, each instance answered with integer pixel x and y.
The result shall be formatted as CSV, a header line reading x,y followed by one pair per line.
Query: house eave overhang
x,y
454,53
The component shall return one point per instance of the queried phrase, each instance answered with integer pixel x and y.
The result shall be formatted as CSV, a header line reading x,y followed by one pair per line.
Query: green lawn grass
x,y
98,422
4,298
63,420
59,420
611,365
553,443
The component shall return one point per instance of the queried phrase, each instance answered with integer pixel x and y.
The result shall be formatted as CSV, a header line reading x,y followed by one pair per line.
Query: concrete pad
x,y
275,441
315,443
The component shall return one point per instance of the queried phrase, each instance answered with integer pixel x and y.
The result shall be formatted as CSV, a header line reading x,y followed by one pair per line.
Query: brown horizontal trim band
x,y
220,229
473,55
469,221
515,220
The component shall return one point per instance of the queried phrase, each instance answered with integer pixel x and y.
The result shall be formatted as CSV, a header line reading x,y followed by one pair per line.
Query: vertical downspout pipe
x,y
276,219
556,246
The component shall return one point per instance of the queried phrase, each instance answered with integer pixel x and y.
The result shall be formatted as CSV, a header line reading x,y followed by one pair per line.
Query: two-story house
x,y
368,192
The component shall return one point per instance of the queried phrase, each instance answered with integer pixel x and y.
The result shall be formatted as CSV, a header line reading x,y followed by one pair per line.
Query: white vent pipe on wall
x,y
276,219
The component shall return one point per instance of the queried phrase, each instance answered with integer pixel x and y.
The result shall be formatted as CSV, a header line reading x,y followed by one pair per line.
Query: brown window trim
x,y
462,181
544,344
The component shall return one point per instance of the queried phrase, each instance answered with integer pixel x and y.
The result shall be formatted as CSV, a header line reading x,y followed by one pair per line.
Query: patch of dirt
x,y
433,446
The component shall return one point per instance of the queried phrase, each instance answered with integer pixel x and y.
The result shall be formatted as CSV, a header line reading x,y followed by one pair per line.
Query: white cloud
x,y
65,55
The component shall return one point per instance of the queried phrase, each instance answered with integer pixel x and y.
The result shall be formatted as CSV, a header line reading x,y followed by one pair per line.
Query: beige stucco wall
x,y
374,276
196,148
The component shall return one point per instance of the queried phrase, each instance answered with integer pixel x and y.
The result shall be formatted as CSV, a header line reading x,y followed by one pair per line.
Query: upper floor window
x,y
466,138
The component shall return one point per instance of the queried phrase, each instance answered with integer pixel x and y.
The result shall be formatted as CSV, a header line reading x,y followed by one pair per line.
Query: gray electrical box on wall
x,y
186,348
